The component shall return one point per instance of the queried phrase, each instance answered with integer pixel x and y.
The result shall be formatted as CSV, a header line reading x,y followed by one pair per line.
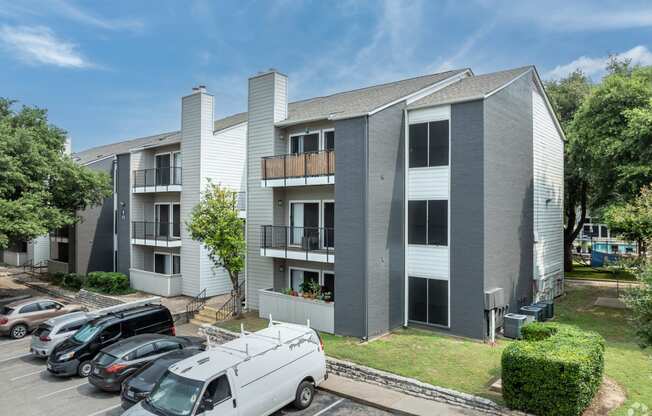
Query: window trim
x,y
166,254
305,133
427,123
320,274
448,220
448,287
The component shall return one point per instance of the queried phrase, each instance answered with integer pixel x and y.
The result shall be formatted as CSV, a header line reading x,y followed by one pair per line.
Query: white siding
x,y
428,183
430,114
428,261
548,192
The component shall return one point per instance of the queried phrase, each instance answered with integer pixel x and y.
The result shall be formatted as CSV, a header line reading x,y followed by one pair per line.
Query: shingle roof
x,y
360,101
474,87
100,152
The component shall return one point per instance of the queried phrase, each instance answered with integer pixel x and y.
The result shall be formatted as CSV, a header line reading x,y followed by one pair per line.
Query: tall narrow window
x,y
438,302
438,143
329,140
418,145
417,299
417,220
176,264
438,223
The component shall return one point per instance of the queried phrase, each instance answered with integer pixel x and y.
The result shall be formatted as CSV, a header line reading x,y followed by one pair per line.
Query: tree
x,y
41,187
639,300
633,220
215,222
566,97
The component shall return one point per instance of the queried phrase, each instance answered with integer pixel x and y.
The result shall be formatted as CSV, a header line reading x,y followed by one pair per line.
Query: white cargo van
x,y
254,375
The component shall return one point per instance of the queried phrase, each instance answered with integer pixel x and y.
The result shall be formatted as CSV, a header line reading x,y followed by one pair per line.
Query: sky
x,y
110,71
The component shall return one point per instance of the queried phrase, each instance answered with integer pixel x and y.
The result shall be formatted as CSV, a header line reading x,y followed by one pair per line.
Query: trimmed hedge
x,y
70,281
555,370
112,283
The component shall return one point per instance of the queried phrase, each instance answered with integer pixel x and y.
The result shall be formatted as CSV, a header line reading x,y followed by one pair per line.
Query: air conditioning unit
x,y
548,308
512,325
534,311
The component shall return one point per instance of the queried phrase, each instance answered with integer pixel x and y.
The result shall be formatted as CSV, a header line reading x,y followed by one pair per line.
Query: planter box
x,y
297,310
165,285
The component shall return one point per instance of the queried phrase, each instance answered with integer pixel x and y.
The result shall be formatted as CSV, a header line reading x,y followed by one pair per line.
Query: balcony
x,y
166,179
156,283
298,243
297,310
156,234
299,169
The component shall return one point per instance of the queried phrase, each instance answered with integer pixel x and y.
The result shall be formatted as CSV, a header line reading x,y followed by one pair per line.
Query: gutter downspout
x,y
365,280
115,211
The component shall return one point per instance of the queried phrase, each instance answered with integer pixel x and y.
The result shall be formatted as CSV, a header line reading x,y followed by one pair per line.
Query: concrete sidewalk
x,y
391,400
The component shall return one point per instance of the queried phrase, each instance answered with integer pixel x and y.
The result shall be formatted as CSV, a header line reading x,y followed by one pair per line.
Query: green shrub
x,y
556,370
639,299
57,278
111,283
72,281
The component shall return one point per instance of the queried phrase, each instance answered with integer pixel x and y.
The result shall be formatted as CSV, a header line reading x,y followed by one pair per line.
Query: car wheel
x,y
18,331
84,369
304,396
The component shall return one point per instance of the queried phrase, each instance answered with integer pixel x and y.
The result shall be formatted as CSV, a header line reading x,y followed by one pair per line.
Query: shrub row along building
x,y
429,201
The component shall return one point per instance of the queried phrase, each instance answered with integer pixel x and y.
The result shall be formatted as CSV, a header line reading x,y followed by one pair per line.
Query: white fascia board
x,y
537,80
417,95
287,123
111,156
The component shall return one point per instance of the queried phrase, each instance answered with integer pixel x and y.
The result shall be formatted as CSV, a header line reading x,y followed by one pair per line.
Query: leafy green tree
x,y
566,96
41,187
633,220
215,222
639,300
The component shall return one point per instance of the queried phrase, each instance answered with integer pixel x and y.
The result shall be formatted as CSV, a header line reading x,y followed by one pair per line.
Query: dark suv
x,y
118,361
74,355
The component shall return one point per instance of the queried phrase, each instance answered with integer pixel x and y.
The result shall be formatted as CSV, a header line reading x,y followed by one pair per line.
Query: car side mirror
x,y
206,405
57,307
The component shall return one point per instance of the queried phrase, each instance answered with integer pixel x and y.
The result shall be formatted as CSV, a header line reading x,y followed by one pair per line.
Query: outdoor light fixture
x,y
279,203
281,269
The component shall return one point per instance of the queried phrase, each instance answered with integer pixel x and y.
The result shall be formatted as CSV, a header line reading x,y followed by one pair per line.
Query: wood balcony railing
x,y
299,165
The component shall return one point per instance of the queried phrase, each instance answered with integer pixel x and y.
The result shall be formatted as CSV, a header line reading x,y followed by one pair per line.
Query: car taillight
x,y
45,338
173,330
3,320
114,368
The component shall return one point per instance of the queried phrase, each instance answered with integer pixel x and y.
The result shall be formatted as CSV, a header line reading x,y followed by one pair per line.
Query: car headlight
x,y
67,356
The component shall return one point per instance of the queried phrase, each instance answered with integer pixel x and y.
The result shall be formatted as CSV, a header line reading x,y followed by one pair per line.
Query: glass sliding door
x,y
329,224
304,143
428,301
176,264
162,215
163,169
176,220
304,224
298,277
176,171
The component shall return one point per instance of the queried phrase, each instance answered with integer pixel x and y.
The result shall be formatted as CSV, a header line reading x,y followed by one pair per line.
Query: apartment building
x,y
157,180
433,201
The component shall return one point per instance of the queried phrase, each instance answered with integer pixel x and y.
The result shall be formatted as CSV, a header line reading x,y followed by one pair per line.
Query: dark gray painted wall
x,y
123,189
509,192
94,233
350,220
467,220
385,217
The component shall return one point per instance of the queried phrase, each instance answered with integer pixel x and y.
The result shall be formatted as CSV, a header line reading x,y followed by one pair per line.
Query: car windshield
x,y
152,372
86,332
174,395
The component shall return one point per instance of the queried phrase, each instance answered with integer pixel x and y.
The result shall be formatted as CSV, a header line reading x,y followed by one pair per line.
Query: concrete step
x,y
204,319
207,311
198,323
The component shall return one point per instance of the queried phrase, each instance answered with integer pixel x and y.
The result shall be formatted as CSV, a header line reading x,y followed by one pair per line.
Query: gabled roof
x,y
361,101
471,88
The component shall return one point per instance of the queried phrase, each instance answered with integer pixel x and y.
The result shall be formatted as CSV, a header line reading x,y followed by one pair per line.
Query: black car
x,y
118,361
138,386
74,355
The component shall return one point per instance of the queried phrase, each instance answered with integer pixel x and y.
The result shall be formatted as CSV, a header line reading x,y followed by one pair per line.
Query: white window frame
x,y
323,138
304,133
289,215
162,253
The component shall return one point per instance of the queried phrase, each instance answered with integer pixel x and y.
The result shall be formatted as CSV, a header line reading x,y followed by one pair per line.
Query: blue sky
x,y
108,71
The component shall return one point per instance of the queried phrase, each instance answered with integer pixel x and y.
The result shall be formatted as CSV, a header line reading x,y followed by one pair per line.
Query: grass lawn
x,y
471,366
583,272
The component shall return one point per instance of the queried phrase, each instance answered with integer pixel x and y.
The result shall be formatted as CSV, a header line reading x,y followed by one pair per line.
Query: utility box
x,y
534,311
512,325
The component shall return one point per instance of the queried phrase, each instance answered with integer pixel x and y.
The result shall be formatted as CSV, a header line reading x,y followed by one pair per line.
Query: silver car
x,y
54,331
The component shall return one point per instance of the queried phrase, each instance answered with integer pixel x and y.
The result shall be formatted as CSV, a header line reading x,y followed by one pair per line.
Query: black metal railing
x,y
230,307
158,177
302,239
298,165
156,231
196,304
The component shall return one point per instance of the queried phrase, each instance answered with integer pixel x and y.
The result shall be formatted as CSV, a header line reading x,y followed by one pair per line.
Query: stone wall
x,y
96,300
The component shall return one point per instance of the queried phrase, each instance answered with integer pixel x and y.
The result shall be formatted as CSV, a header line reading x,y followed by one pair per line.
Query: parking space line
x,y
322,411
26,375
62,390
14,342
13,367
105,410
15,356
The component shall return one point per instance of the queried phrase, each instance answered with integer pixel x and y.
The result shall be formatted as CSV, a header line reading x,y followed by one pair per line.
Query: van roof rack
x,y
123,307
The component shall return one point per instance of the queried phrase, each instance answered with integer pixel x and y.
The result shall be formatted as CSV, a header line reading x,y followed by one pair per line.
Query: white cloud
x,y
467,46
78,14
38,45
639,55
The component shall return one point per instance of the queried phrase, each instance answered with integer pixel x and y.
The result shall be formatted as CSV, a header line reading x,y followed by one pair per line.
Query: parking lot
x,y
29,390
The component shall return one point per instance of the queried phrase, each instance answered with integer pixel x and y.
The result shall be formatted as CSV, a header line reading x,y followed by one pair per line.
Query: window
x,y
329,140
428,301
75,326
428,144
603,231
419,145
417,220
163,169
162,263
219,389
146,351
304,143
32,307
176,264
329,224
428,222
438,223
329,284
297,277
48,305
166,346
110,332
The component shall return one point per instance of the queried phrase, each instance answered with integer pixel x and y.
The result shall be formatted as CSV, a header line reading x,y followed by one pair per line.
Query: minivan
x,y
254,375
74,355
